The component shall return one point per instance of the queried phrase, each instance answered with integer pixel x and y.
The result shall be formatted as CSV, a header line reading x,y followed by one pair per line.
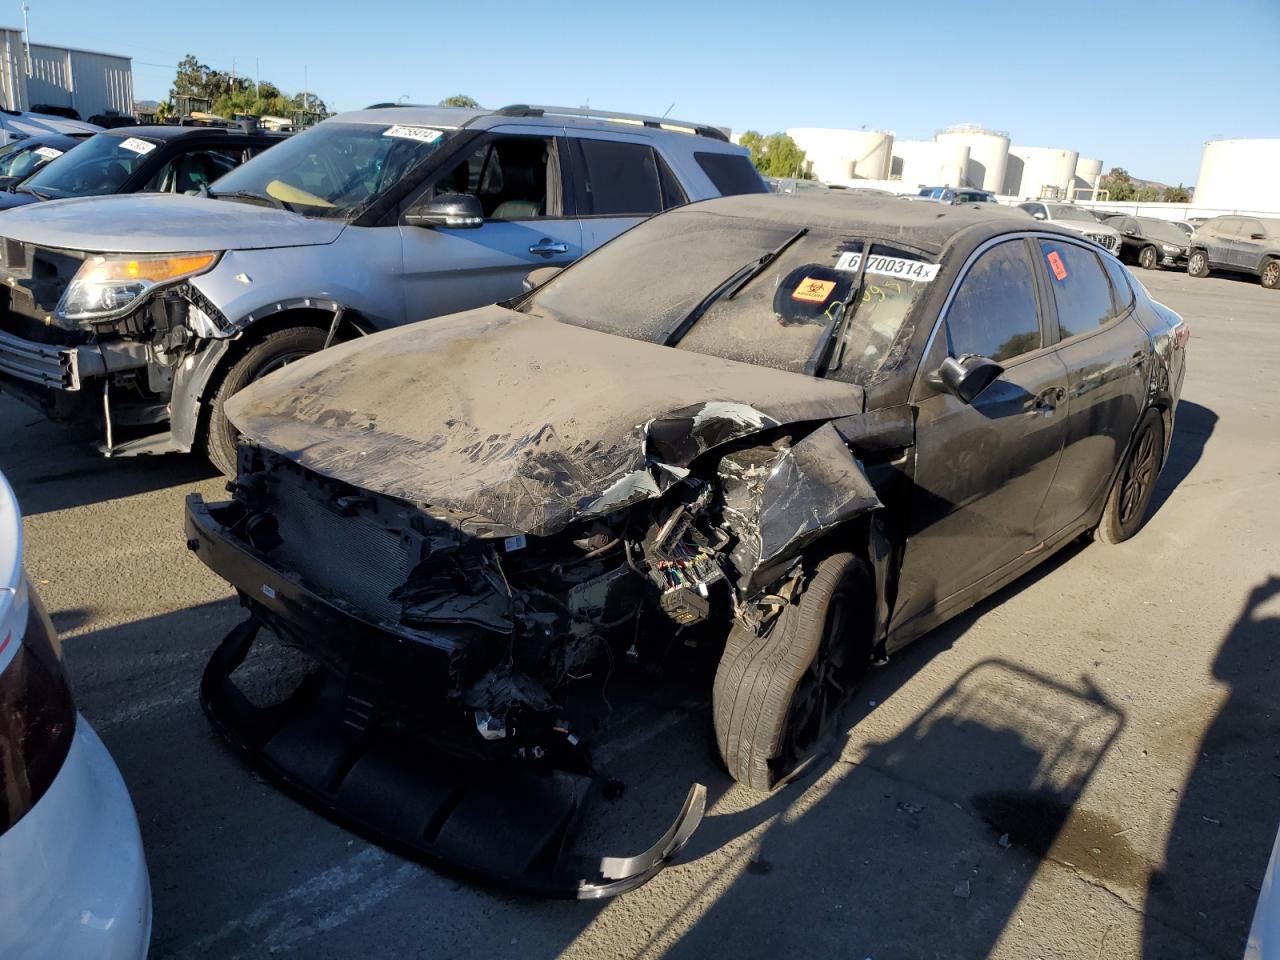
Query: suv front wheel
x,y
1271,274
273,352
1198,264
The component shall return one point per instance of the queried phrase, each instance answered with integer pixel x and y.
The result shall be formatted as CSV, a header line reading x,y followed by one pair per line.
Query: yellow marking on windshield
x,y
291,194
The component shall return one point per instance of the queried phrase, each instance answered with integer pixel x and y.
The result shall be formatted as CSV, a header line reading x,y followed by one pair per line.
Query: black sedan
x,y
1151,242
140,159
797,434
19,159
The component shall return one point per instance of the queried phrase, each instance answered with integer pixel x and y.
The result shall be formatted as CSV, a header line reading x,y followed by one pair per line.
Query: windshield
x,y
98,166
333,169
1062,211
1163,230
644,283
22,158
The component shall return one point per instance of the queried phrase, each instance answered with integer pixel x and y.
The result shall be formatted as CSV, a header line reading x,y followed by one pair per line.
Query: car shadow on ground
x,y
1192,428
1237,756
47,464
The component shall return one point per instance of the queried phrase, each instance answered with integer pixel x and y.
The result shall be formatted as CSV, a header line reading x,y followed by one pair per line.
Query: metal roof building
x,y
85,80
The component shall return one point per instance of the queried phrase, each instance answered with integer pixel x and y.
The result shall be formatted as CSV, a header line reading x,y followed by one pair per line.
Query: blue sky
x,y
1141,86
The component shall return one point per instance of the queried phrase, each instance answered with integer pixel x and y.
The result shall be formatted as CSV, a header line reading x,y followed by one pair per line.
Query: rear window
x,y
1080,289
731,173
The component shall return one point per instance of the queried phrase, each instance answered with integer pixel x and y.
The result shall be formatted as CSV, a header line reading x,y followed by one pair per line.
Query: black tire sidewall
x,y
1110,529
220,436
1155,258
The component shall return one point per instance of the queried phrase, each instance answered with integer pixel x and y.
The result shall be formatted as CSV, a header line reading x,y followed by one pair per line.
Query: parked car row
x,y
514,398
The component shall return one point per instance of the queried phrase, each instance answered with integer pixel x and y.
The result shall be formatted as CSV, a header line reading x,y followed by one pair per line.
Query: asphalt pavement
x,y
1087,765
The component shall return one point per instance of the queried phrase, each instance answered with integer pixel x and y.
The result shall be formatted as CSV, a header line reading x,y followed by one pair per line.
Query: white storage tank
x,y
988,154
1088,174
926,163
835,154
1240,175
1040,172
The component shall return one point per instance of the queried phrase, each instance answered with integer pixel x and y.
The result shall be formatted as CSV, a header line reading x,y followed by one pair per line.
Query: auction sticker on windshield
x,y
421,134
137,146
49,153
889,266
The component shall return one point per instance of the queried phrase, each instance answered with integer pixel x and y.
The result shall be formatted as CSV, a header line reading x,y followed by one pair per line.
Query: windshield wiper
x,y
257,198
833,334
728,288
23,188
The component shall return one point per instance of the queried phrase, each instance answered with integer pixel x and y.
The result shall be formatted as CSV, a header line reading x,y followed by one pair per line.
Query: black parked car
x,y
149,159
1151,242
811,431
19,159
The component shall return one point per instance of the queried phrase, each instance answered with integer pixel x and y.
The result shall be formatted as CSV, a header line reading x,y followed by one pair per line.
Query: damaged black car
x,y
798,433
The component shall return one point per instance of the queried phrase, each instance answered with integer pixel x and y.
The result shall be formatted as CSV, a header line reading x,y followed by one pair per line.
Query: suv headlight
x,y
106,287
1170,249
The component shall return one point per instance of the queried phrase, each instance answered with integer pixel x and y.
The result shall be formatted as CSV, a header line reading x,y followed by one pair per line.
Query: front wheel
x,y
1271,274
1148,259
775,695
1131,493
275,350
1198,264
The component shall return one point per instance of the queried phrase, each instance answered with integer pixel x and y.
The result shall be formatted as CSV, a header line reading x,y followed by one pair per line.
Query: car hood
x,y
1083,226
517,419
163,223
9,200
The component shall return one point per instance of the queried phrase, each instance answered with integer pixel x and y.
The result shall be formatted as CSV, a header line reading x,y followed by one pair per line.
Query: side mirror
x,y
1040,216
536,278
968,376
1131,232
458,211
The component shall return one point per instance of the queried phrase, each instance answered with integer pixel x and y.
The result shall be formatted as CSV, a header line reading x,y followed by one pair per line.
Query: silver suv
x,y
146,313
1078,219
1238,244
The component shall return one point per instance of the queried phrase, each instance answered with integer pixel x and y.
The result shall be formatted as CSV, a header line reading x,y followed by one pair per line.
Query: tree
x,y
164,110
308,102
776,155
191,78
1118,184
1178,194
460,100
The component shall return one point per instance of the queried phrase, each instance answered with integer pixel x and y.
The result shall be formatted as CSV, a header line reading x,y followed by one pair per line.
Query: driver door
x,y
982,470
518,177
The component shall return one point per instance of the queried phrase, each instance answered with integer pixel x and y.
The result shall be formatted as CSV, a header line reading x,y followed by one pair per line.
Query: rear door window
x,y
994,312
731,173
1080,288
624,179
194,169
1119,284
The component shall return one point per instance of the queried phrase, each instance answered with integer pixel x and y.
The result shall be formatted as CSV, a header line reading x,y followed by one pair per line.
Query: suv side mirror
x,y
459,211
968,376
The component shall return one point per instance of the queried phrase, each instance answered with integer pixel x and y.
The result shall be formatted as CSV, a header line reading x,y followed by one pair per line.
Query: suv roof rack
x,y
612,116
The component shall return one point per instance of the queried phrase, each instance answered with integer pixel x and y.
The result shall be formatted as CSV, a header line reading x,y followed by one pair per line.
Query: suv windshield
x,y
1062,211
644,283
333,169
98,166
21,157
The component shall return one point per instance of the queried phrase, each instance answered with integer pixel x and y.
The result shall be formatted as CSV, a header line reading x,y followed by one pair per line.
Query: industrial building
x,y
1240,175
88,82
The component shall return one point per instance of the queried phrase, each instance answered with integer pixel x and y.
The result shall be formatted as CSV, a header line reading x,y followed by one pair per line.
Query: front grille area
x,y
1105,240
36,363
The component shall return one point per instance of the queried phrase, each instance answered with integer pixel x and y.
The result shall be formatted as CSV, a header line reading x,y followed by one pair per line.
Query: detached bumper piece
x,y
505,824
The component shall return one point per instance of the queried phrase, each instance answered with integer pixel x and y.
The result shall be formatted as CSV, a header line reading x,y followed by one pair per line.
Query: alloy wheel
x,y
1139,477
821,690
1271,274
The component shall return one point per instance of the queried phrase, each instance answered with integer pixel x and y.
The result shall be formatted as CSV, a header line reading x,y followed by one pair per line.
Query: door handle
x,y
547,247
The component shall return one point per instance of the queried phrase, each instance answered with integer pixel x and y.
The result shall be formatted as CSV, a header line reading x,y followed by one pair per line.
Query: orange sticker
x,y
813,291
1057,266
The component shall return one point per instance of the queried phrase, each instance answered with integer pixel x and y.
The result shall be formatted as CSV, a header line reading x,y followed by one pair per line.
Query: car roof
x,y
169,131
447,117
928,227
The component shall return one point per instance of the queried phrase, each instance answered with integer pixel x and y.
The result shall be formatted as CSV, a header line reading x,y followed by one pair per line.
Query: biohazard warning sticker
x,y
421,134
889,266
1056,265
811,290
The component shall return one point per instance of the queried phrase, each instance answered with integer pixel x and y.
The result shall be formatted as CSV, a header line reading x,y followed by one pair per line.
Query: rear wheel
x,y
1131,493
776,695
276,350
1148,258
1198,264
1271,274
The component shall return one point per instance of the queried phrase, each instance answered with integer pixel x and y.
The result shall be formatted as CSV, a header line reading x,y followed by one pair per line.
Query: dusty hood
x,y
162,223
516,418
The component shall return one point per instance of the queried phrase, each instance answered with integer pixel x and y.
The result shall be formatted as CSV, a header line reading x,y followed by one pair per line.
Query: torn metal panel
x,y
484,413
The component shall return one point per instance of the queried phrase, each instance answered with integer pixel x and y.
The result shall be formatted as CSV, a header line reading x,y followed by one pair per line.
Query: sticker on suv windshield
x,y
49,153
889,266
813,290
421,134
137,146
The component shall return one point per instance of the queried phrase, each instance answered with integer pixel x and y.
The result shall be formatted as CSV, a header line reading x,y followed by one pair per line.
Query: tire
x,y
273,352
1198,264
1148,258
775,695
1270,274
1130,494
